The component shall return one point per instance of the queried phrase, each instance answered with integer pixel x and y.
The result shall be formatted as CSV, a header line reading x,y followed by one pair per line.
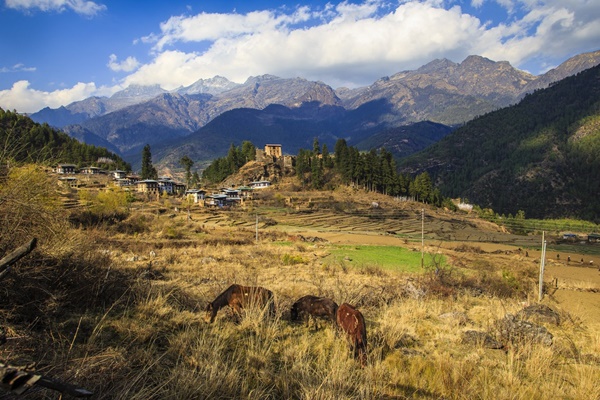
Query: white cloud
x,y
87,8
22,98
205,26
354,44
345,44
17,68
127,65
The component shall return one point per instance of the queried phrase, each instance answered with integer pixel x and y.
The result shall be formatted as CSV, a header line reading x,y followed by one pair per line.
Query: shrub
x,y
290,259
29,207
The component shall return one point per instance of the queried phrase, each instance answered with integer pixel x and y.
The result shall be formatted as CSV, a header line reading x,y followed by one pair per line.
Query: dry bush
x,y
135,224
29,207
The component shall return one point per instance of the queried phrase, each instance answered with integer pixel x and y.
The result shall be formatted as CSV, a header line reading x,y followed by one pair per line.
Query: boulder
x,y
516,331
539,314
484,339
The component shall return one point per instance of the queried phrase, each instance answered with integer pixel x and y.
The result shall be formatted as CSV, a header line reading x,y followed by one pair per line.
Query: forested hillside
x,y
26,141
541,156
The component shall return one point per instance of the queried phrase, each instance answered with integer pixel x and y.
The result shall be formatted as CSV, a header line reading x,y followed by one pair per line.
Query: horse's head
x,y
210,313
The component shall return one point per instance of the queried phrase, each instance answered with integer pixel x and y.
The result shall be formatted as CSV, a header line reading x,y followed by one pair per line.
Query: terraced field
x,y
403,224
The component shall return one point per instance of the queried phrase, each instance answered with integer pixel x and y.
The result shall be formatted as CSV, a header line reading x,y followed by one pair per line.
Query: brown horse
x,y
318,307
238,297
352,322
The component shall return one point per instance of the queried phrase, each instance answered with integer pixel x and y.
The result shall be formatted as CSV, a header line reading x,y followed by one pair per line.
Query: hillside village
x,y
268,167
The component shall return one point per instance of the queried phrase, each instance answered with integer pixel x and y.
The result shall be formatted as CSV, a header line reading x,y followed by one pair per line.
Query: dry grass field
x,y
122,311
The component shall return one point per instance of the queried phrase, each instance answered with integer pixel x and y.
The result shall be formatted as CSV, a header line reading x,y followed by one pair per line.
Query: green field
x,y
390,258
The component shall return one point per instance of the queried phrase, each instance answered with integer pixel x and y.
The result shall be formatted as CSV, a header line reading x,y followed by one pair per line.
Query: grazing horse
x,y
238,297
352,322
318,307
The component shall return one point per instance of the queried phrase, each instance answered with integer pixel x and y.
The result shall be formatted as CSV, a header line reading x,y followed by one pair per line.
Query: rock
x,y
475,338
539,314
312,239
515,331
455,318
207,260
414,292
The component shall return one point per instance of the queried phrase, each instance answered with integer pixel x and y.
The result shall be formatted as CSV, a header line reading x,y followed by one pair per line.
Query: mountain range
x,y
203,119
541,155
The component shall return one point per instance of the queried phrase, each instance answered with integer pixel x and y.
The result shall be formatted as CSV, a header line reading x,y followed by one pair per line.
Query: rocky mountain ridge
x,y
441,91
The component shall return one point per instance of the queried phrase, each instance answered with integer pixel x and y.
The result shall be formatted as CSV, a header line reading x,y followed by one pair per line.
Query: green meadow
x,y
385,257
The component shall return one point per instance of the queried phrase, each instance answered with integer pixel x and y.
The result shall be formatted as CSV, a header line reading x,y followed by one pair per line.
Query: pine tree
x,y
148,170
187,164
248,151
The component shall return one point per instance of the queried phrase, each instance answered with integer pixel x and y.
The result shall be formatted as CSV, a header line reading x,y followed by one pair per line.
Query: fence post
x,y
542,266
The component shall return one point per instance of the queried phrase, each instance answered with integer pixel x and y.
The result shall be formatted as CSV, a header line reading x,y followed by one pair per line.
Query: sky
x,y
55,52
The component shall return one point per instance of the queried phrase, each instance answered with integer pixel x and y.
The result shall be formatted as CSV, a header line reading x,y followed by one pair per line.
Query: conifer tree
x,y
187,165
148,170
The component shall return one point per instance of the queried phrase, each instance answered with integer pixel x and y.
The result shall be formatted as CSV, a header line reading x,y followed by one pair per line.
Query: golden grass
x,y
151,341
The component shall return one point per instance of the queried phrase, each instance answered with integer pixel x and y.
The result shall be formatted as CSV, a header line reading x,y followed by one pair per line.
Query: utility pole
x,y
422,236
256,228
542,265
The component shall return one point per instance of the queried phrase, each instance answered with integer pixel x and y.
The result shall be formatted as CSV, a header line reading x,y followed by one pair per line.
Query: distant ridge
x,y
541,155
441,91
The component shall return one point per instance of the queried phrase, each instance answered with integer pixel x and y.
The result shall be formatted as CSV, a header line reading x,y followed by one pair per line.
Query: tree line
x,y
317,168
374,171
541,155
26,141
236,157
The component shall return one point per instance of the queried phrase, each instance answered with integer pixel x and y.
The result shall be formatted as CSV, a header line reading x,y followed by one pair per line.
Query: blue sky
x,y
55,52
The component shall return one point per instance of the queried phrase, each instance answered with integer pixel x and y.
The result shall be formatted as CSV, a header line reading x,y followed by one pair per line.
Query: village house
x,y
245,192
179,188
66,169
118,174
91,171
123,182
216,200
196,195
133,178
569,236
594,238
166,185
148,186
233,196
260,184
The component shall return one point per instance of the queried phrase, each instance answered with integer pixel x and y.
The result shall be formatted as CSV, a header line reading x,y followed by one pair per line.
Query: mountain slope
x,y
91,107
405,140
24,140
572,66
446,92
541,155
165,117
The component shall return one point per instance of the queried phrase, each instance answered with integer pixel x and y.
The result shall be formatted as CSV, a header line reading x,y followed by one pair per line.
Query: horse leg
x,y
237,310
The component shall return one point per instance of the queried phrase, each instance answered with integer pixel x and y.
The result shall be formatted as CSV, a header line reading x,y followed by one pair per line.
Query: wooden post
x,y
422,236
17,380
15,256
542,266
256,228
